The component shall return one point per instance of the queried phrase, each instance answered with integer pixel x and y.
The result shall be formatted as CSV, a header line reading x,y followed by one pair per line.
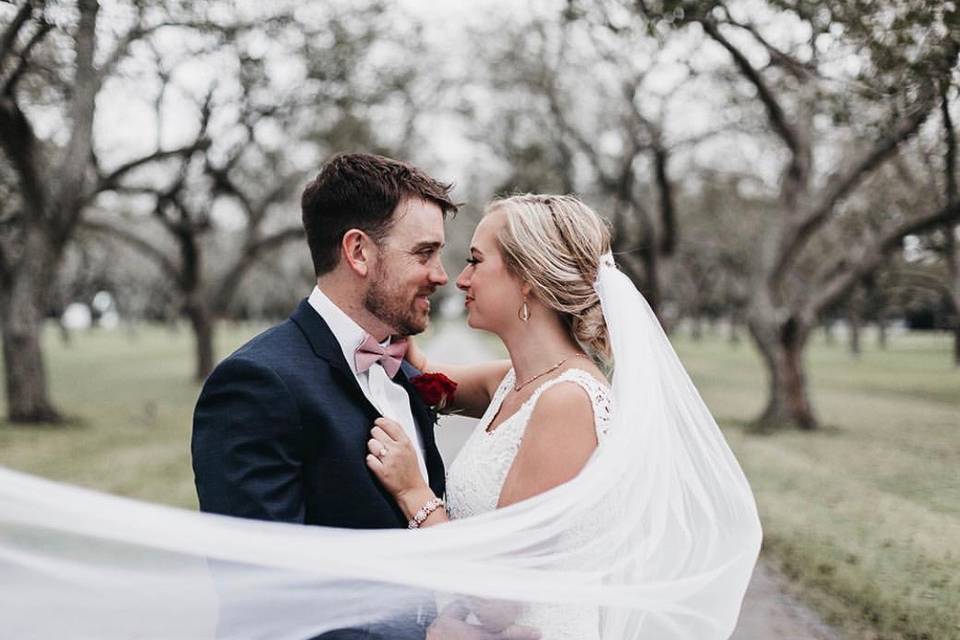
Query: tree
x,y
50,59
556,138
951,245
266,136
904,49
204,301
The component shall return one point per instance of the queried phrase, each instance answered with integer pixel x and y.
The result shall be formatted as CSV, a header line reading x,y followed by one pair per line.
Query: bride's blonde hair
x,y
554,243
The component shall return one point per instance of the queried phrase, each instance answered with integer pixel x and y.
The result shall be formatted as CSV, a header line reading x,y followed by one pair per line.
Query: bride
x,y
530,280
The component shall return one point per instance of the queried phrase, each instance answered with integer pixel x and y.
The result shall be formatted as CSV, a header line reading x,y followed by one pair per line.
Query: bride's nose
x,y
463,281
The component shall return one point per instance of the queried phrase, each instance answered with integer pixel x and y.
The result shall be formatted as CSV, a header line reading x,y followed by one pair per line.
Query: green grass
x,y
130,398
864,514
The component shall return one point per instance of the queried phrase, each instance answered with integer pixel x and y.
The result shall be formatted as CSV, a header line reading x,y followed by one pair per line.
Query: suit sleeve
x,y
248,444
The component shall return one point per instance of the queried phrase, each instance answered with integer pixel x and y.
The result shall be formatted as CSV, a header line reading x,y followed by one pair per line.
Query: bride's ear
x,y
357,250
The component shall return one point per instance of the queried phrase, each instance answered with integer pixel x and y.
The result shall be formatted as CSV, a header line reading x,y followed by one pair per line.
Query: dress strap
x,y
598,392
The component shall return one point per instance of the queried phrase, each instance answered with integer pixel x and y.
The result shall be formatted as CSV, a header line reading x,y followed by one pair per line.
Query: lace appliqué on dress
x,y
476,477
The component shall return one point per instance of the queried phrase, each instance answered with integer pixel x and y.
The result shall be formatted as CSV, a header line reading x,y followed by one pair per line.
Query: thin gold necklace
x,y
517,387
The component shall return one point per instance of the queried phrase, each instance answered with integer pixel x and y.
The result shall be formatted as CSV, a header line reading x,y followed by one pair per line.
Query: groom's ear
x,y
357,251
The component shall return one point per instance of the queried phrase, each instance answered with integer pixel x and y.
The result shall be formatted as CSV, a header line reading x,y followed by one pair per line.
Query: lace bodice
x,y
476,478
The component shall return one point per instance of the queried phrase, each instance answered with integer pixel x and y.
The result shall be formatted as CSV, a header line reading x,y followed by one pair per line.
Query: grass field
x,y
864,515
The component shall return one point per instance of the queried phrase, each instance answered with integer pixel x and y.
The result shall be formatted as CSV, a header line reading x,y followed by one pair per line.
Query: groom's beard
x,y
388,302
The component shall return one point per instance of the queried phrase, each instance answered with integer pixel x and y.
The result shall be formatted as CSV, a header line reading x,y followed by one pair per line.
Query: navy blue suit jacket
x,y
281,428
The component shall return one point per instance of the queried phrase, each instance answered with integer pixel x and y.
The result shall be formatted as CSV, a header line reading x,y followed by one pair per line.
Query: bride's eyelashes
x,y
473,261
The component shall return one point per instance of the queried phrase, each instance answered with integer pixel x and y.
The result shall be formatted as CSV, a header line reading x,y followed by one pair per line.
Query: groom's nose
x,y
438,276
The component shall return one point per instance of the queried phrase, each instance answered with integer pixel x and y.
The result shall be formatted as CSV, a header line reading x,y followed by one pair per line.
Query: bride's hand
x,y
452,624
494,615
393,460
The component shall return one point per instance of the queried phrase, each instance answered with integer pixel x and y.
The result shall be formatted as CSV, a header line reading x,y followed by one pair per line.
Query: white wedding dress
x,y
475,480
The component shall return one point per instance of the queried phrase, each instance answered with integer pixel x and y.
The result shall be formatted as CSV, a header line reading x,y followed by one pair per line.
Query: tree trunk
x,y
651,271
201,321
696,327
66,336
781,346
882,334
853,328
953,269
956,344
21,318
733,335
828,337
712,326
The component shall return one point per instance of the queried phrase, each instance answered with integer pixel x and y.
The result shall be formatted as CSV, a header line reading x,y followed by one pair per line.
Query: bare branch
x,y
22,148
923,280
147,248
775,111
871,258
569,131
251,252
280,191
848,178
694,140
225,185
71,172
792,65
843,182
10,34
110,182
950,184
140,32
10,84
950,154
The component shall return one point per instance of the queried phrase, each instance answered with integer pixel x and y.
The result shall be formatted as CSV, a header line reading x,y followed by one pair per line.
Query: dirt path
x,y
769,611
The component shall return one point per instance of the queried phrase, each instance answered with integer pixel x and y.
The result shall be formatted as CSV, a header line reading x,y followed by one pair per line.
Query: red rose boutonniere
x,y
435,389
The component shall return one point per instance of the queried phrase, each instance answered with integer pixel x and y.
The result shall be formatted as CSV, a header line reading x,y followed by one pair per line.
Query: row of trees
x,y
226,93
848,164
762,161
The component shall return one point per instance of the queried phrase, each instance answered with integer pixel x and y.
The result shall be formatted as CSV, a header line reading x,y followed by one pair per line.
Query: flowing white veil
x,y
674,536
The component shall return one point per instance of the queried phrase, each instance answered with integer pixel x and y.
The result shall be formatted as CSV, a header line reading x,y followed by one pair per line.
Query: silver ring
x,y
383,452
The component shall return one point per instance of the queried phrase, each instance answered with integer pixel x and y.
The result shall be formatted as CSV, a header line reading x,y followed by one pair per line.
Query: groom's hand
x,y
451,624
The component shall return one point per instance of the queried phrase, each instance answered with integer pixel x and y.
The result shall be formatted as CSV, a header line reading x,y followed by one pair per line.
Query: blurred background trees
x,y
777,167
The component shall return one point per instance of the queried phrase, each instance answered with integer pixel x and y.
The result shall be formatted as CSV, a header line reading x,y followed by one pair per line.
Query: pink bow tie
x,y
370,351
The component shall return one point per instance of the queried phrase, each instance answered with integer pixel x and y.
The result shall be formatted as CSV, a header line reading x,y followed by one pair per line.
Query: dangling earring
x,y
524,313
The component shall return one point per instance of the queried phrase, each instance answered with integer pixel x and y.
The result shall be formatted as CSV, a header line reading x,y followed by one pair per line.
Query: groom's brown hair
x,y
361,191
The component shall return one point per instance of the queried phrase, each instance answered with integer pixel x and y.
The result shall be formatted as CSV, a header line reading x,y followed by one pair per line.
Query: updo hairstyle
x,y
554,243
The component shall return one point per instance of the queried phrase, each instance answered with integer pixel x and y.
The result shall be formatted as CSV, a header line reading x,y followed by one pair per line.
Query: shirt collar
x,y
345,329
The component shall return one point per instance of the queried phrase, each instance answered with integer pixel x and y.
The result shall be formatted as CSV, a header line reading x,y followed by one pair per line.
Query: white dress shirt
x,y
383,393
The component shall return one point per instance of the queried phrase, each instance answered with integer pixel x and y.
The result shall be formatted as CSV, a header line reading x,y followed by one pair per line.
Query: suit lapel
x,y
424,419
325,345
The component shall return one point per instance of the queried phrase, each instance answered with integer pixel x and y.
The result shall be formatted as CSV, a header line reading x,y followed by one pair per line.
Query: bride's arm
x,y
476,383
559,439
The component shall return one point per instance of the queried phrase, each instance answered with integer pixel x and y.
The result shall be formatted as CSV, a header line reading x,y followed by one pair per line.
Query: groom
x,y
281,427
